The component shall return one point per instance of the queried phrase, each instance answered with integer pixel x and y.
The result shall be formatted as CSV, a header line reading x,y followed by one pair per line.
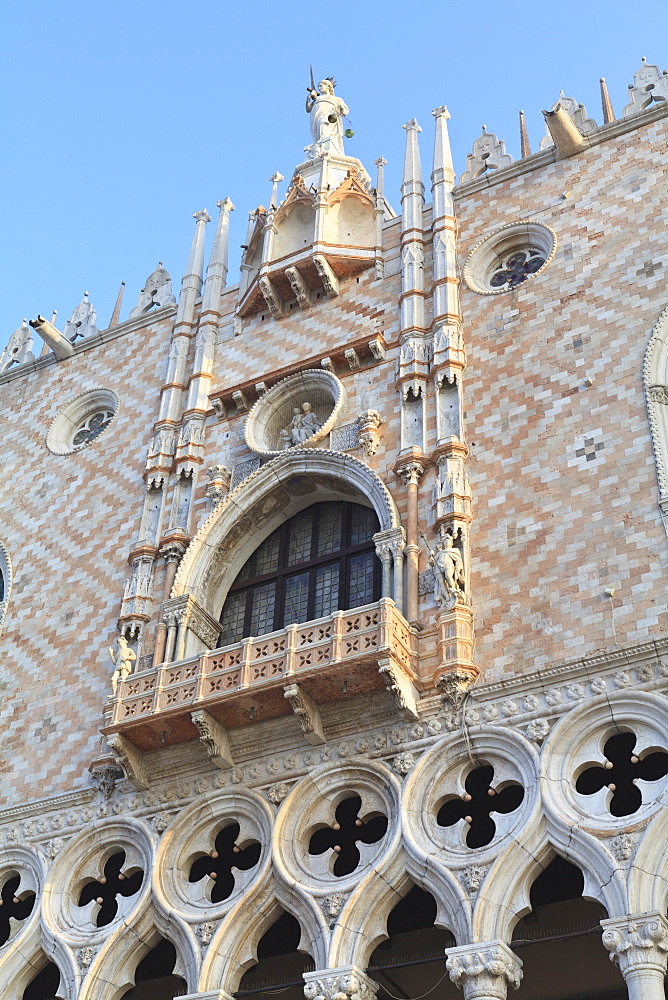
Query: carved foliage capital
x,y
453,686
411,473
491,966
637,941
339,984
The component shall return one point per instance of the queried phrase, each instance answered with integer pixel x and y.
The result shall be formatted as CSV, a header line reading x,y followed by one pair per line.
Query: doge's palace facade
x,y
333,604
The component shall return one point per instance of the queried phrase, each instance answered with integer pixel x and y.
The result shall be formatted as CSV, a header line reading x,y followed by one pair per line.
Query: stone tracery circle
x,y
28,864
488,253
71,418
311,806
440,776
82,860
273,412
192,835
577,743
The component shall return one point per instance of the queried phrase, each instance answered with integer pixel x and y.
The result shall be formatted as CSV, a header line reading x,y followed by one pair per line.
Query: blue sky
x,y
120,120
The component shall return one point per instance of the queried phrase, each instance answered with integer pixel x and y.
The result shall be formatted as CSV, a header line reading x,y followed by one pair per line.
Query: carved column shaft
x,y
411,475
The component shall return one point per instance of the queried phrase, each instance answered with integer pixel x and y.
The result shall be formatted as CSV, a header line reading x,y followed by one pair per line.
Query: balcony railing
x,y
312,654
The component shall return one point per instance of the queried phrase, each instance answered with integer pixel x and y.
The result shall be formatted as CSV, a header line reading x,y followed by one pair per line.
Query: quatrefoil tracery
x,y
13,904
113,882
225,856
620,773
345,833
477,804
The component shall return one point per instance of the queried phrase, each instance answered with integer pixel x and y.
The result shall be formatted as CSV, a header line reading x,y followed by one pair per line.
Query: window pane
x,y
360,579
326,590
262,608
363,524
232,618
267,555
329,529
296,599
299,548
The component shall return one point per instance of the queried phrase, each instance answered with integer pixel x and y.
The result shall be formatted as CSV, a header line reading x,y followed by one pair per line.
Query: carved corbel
x,y
214,737
299,287
400,687
329,280
307,712
218,407
219,486
377,348
240,400
327,364
368,434
453,687
105,776
274,301
353,358
130,758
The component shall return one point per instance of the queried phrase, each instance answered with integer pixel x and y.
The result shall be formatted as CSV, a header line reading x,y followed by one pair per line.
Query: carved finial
x,y
225,205
412,126
525,148
441,112
275,181
608,113
488,153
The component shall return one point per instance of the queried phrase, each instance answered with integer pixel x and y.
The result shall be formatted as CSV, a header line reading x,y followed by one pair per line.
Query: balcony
x,y
348,653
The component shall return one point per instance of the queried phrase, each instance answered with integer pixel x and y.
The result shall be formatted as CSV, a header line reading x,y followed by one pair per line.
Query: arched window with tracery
x,y
320,561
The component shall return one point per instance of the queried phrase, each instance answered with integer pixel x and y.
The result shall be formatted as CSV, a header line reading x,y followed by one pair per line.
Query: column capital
x,y
202,216
391,541
411,473
345,983
484,971
637,941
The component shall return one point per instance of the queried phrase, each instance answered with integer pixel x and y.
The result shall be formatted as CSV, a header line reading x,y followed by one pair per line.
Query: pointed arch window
x,y
320,561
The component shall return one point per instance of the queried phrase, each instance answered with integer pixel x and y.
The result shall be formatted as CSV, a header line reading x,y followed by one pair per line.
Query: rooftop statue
x,y
326,111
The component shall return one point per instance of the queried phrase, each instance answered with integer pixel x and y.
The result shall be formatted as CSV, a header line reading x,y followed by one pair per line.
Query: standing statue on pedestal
x,y
326,111
122,660
449,580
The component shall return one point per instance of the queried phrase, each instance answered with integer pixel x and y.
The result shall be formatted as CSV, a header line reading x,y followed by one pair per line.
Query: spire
x,y
216,272
412,168
191,285
443,173
412,188
608,113
525,148
115,316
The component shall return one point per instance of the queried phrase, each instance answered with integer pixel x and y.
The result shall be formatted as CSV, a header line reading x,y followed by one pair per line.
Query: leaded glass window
x,y
320,561
517,267
92,426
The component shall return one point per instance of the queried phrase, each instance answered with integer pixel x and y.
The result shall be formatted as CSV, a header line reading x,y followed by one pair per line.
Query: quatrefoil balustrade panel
x,y
346,832
326,657
16,904
105,890
218,866
623,773
474,809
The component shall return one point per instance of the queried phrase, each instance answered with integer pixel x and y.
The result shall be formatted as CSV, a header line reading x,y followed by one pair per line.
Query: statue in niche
x,y
449,580
303,426
326,111
122,659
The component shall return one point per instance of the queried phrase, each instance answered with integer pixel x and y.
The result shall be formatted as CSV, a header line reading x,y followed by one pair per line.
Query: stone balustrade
x,y
346,642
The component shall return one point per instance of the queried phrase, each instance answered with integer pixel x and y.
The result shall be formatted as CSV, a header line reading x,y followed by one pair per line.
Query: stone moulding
x,y
273,411
655,366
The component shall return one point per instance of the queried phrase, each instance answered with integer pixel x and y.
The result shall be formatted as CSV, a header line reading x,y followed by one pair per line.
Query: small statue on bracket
x,y
449,577
122,660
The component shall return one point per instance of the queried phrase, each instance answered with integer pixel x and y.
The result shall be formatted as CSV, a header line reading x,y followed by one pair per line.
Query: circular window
x,y
509,257
299,411
81,421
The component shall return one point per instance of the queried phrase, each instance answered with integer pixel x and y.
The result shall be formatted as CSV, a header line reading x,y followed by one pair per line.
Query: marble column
x,y
638,944
484,971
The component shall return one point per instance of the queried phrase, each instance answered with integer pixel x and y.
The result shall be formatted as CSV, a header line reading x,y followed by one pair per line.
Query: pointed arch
x,y
648,875
504,897
112,972
234,948
293,480
362,925
655,382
